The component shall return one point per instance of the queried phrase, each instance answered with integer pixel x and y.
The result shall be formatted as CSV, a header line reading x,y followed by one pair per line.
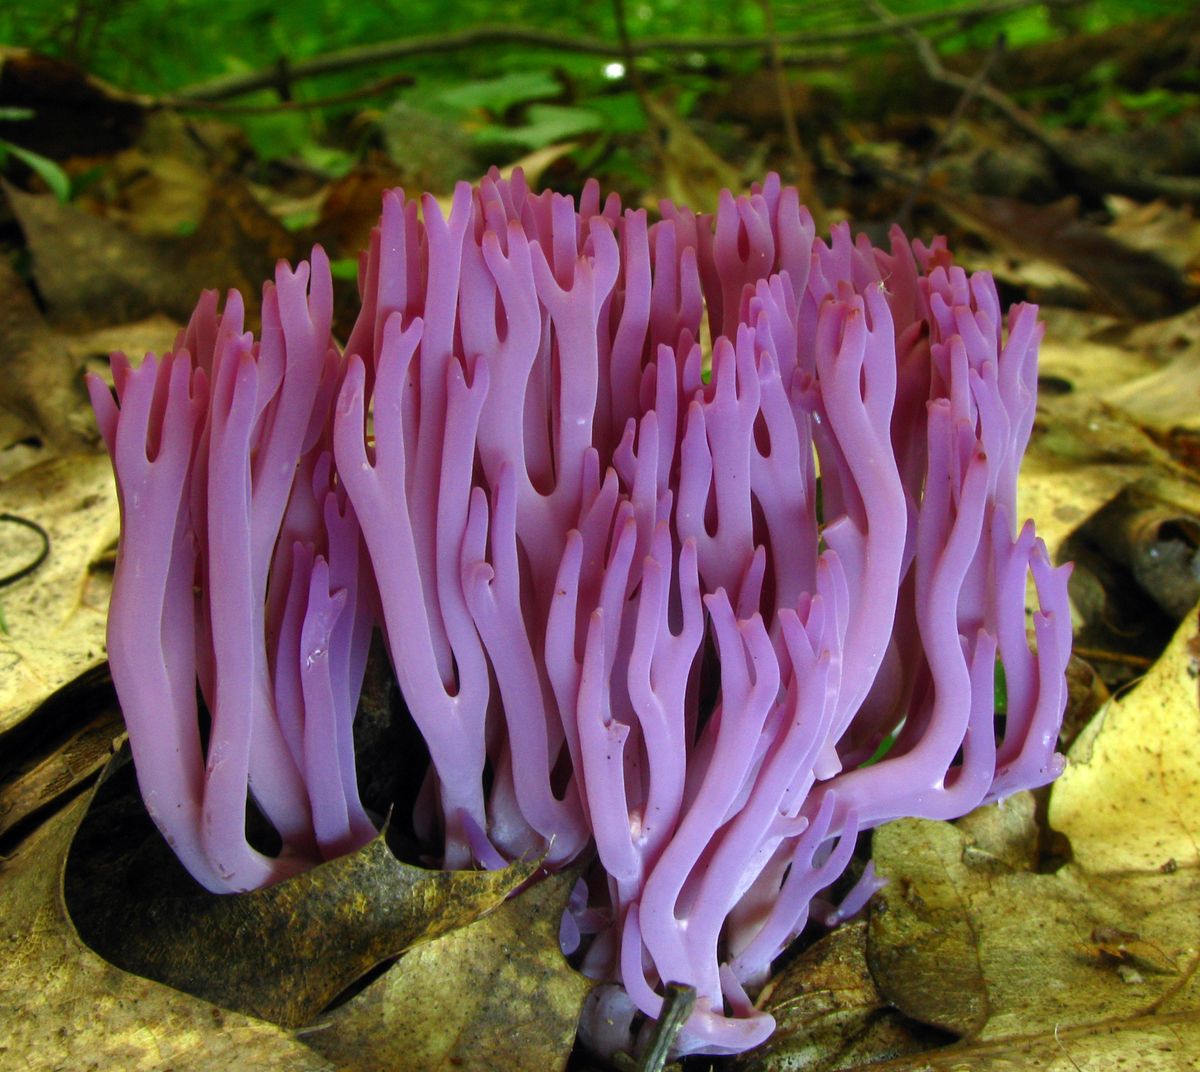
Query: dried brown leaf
x,y
690,172
41,385
924,950
1167,1042
282,953
91,271
156,334
1086,353
829,1014
1171,232
161,185
63,1007
1086,450
1097,961
491,997
1165,399
1119,278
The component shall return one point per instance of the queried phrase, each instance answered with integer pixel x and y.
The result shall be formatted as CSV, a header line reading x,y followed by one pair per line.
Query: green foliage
x,y
497,95
545,125
885,746
161,46
1159,103
1104,104
506,99
56,180
483,105
621,113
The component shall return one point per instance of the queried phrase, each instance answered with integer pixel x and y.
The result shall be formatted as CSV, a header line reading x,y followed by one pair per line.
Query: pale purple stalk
x,y
448,699
150,636
234,458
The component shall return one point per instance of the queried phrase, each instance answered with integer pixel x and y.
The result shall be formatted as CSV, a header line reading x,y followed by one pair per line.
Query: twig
x,y
375,89
38,559
78,20
476,36
932,64
903,217
1189,62
1124,658
1058,150
677,1007
678,1003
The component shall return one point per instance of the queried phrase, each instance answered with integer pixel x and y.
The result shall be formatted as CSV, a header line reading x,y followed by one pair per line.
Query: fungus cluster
x,y
693,544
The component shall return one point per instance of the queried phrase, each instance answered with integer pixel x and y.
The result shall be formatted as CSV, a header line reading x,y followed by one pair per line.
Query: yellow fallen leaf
x,y
1109,393
1062,497
1092,966
1168,231
1130,798
1165,399
55,617
1087,353
1082,456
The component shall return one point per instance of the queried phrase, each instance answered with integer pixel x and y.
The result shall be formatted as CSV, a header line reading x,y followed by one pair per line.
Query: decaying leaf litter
x,y
979,936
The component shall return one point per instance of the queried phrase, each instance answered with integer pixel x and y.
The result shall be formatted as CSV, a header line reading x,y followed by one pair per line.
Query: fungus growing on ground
x,y
701,618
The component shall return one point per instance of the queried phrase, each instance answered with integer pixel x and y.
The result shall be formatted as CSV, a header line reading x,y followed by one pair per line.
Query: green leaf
x,y
497,95
302,218
622,113
334,162
50,173
885,746
547,124
1158,103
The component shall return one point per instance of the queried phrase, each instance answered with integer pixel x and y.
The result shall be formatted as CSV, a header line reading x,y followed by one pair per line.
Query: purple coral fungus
x,y
646,603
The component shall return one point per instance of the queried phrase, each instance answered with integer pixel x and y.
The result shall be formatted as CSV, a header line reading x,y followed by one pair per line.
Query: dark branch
x,y
1059,149
476,36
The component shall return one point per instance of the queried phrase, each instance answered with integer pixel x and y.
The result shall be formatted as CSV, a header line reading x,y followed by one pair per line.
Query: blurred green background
x,y
492,101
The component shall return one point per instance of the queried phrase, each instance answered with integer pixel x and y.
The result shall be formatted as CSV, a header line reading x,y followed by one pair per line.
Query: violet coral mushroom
x,y
233,532
655,613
